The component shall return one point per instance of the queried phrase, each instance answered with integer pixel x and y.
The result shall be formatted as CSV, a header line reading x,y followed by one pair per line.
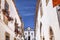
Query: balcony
x,y
6,16
10,18
6,13
17,29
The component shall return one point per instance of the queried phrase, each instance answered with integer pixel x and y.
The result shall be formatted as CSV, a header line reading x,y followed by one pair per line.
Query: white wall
x,y
10,27
53,20
13,14
4,29
25,34
32,36
48,19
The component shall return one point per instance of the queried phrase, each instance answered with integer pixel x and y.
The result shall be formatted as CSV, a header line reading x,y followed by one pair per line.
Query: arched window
x,y
41,30
40,26
51,34
41,10
25,33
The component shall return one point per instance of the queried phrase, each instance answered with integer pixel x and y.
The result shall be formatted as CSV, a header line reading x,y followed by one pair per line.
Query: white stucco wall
x,y
4,29
53,20
26,34
49,19
13,14
10,27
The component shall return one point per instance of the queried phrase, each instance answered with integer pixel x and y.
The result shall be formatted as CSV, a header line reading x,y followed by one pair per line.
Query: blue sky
x,y
26,9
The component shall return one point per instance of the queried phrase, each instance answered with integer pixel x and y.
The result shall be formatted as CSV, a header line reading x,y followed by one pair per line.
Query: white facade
x,y
29,33
49,20
10,27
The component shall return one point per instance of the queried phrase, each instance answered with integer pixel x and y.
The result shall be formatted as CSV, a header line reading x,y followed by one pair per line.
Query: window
x,y
7,36
41,11
40,27
28,37
14,38
31,33
6,12
6,5
16,27
41,30
25,33
6,8
51,34
43,38
47,2
58,13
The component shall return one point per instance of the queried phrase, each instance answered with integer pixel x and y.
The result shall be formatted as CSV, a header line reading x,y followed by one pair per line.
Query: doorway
x,y
28,37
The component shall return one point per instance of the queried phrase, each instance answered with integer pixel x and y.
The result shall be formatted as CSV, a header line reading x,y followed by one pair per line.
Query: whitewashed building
x,y
10,22
47,21
29,34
